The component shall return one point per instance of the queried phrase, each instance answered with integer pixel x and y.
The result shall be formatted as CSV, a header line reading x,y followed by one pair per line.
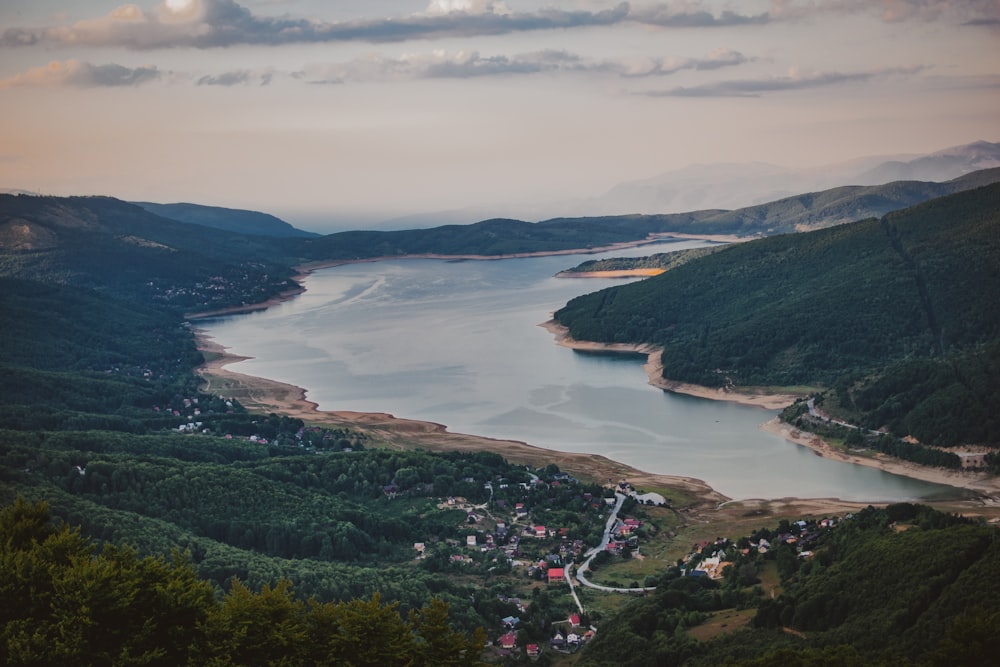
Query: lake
x,y
459,343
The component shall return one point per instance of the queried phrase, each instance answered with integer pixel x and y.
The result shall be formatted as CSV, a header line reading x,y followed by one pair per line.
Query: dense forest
x,y
868,307
80,605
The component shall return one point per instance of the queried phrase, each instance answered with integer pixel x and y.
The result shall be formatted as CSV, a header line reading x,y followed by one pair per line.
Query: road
x,y
608,530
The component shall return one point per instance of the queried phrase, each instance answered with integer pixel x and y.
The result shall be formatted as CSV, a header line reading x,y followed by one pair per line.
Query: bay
x,y
459,343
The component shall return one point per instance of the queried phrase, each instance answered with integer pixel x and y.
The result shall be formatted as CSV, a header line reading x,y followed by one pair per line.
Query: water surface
x,y
459,343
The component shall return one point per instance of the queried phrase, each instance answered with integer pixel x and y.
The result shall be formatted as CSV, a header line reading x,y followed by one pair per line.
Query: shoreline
x,y
256,393
308,267
274,396
654,371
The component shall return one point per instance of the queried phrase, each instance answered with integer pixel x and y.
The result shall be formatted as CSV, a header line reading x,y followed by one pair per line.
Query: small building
x,y
556,574
508,641
532,650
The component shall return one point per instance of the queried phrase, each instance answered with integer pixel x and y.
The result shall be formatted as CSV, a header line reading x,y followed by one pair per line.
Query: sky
x,y
347,112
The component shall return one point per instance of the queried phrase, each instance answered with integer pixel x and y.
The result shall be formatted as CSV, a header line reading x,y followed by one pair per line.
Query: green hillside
x,y
850,301
120,249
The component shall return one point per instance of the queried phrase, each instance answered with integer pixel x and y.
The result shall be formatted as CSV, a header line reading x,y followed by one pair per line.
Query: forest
x,y
867,307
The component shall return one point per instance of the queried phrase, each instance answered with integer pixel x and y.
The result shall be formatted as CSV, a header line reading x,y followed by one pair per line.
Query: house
x,y
419,547
574,620
556,574
510,621
540,531
470,540
508,640
532,650
558,642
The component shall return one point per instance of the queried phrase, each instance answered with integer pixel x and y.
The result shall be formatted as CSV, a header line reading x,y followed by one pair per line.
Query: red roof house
x,y
556,574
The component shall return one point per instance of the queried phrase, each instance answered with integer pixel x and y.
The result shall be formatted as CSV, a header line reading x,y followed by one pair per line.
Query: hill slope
x,y
228,219
122,249
810,308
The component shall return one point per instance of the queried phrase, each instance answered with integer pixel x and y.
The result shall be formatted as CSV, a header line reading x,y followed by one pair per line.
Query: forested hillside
x,y
858,306
68,603
122,250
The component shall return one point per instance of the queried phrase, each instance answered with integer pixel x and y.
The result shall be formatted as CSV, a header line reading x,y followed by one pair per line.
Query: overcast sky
x,y
377,108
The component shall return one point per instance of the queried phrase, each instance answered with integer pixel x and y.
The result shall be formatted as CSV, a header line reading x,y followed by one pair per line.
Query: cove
x,y
459,343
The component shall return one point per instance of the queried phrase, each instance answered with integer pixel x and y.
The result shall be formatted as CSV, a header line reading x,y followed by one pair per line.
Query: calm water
x,y
458,343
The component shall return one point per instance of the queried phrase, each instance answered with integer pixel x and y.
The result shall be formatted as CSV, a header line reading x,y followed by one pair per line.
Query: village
x,y
551,560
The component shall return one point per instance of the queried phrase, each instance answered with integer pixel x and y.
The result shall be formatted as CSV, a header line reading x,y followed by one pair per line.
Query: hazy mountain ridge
x,y
848,203
740,185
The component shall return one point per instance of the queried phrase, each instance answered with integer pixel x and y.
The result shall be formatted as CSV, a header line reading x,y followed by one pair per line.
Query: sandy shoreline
x,y
654,372
265,395
262,394
979,482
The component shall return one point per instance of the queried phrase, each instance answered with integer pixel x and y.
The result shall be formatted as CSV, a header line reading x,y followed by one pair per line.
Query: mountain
x,y
740,185
228,219
848,203
945,164
898,314
120,248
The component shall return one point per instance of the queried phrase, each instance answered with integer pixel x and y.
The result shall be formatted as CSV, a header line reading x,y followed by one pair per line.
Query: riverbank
x,y
265,395
987,485
654,372
307,268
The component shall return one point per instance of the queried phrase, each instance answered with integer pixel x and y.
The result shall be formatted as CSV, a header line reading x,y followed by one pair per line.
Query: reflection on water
x,y
458,343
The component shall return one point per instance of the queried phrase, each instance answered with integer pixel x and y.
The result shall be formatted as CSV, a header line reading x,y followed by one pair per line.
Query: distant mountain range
x,y
183,254
745,184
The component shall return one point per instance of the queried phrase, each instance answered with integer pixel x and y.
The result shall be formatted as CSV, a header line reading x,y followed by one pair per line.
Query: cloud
x,y
240,77
469,64
220,23
468,6
681,16
793,81
82,74
963,12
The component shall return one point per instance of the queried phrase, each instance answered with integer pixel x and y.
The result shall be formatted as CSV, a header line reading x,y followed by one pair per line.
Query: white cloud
x,y
467,6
